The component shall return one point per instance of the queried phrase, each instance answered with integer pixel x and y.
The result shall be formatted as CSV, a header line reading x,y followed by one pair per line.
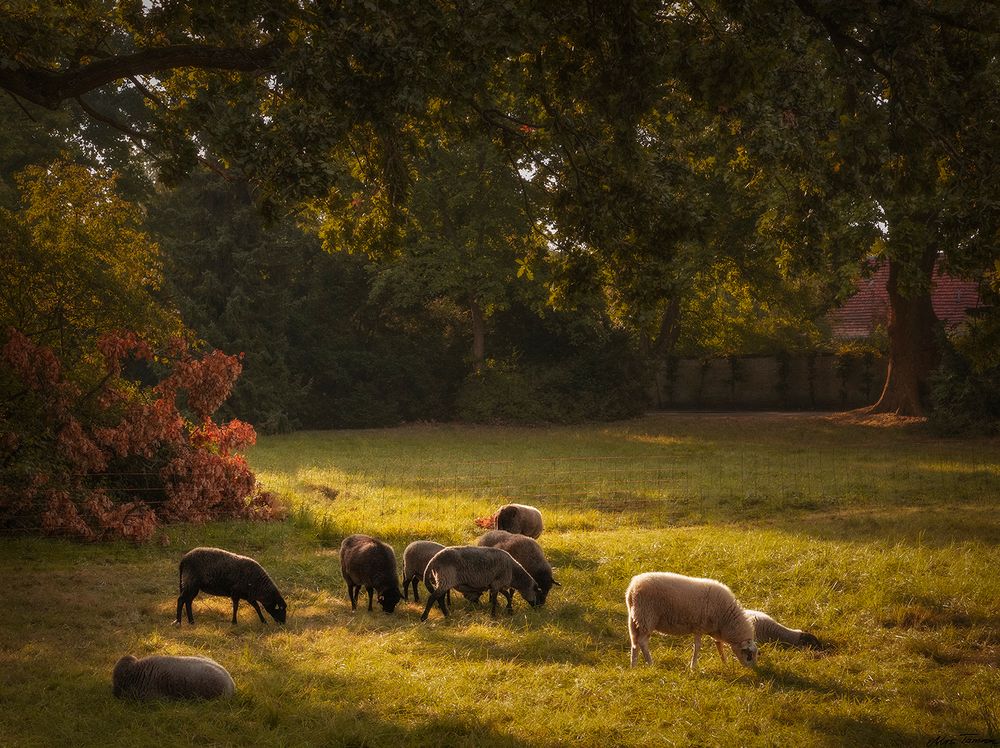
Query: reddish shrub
x,y
124,457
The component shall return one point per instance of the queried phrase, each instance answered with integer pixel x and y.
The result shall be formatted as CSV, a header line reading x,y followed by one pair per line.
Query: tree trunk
x,y
663,346
913,348
478,337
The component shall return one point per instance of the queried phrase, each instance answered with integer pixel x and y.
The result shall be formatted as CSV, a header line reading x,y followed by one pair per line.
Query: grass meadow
x,y
881,541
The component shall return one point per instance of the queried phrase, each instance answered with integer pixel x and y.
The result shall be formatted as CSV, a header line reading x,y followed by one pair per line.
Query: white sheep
x,y
766,629
170,677
675,604
517,518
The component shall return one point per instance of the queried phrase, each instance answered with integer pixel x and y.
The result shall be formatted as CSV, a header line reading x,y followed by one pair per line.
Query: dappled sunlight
x,y
984,471
645,433
828,539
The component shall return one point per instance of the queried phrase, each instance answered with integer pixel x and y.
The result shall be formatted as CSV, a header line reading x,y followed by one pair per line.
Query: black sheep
x,y
370,563
218,572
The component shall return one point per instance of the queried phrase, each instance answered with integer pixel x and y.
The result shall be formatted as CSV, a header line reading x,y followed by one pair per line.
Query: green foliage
x,y
319,351
966,386
78,264
727,314
706,174
596,382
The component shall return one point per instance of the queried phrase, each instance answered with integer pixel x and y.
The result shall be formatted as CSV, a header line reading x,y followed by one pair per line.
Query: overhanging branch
x,y
49,89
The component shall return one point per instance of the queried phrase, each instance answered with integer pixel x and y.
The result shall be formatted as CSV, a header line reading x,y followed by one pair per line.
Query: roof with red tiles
x,y
868,308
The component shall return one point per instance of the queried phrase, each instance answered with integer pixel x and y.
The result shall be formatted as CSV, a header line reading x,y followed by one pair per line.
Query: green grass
x,y
883,542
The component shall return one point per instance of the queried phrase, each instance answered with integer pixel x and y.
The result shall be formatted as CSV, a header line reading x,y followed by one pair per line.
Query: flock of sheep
x,y
506,559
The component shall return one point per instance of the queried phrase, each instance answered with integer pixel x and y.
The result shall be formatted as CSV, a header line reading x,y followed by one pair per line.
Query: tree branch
x,y
49,88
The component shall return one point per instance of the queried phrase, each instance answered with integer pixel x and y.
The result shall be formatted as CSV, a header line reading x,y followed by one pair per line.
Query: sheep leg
x,y
353,594
722,650
640,642
633,637
427,608
370,589
434,597
236,604
184,600
509,594
493,603
416,595
697,648
256,606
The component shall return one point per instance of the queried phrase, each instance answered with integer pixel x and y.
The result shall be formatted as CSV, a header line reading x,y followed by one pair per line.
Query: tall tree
x,y
465,227
915,95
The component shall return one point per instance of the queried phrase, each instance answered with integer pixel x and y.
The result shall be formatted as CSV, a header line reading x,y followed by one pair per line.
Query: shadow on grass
x,y
486,643
788,680
283,717
933,526
844,730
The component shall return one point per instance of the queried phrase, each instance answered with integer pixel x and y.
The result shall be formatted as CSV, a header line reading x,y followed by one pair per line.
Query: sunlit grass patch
x,y
863,537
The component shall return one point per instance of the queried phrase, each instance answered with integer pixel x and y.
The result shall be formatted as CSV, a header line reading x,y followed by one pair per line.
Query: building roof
x,y
868,308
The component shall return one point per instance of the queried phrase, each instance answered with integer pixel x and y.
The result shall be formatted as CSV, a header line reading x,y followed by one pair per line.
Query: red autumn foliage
x,y
125,457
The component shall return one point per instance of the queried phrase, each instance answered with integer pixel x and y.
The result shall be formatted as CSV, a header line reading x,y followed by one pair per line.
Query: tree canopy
x,y
630,156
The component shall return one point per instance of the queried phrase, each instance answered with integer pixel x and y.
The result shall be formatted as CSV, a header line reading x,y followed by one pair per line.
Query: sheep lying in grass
x,y
675,604
527,552
766,629
473,570
167,677
370,563
218,572
516,518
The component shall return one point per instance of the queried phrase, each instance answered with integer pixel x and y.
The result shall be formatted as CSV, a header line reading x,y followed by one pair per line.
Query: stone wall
x,y
819,381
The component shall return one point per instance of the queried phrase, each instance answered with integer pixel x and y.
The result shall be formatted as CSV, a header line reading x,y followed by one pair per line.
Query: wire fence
x,y
655,489
658,489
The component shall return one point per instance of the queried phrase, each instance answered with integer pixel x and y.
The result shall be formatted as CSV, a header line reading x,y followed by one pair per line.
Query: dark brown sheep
x,y
517,518
218,572
370,563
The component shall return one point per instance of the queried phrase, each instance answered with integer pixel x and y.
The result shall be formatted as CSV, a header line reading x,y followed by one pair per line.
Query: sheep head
x,y
808,640
276,607
389,599
746,652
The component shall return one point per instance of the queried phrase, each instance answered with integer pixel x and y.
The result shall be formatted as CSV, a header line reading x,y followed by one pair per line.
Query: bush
x,y
586,388
965,389
114,457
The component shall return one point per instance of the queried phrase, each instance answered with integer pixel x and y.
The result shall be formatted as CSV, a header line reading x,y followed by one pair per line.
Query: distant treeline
x,y
324,348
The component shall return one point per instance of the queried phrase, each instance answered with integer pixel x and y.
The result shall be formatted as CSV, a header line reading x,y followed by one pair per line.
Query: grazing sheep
x,y
472,570
516,518
218,572
370,563
167,677
766,629
527,552
675,604
415,558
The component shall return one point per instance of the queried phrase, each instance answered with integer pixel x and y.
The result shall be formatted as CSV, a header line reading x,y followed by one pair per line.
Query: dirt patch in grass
x,y
863,417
